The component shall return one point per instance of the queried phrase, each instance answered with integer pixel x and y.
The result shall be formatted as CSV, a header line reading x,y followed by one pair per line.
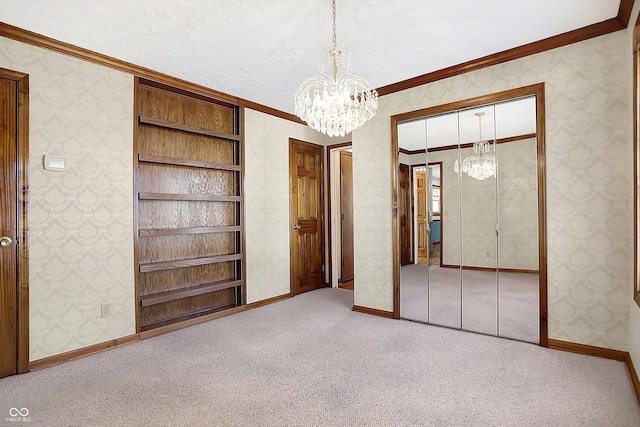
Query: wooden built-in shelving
x,y
185,317
192,262
146,232
189,197
161,297
186,162
186,128
178,277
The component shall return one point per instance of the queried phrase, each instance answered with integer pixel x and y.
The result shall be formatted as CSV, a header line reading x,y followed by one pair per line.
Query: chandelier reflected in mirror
x,y
335,102
483,165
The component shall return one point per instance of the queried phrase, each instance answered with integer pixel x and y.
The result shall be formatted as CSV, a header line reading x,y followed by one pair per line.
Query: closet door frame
x,y
536,90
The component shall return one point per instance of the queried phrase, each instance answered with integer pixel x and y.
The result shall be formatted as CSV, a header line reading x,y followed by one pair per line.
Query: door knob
x,y
5,241
297,227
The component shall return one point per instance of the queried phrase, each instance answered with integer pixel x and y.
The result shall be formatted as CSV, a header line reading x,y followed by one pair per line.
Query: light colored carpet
x,y
311,361
509,310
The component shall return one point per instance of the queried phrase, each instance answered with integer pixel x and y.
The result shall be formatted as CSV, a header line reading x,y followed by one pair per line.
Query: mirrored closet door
x,y
477,170
414,193
518,219
445,290
474,219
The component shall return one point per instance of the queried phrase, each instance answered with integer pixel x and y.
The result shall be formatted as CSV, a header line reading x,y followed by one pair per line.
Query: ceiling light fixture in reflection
x,y
483,164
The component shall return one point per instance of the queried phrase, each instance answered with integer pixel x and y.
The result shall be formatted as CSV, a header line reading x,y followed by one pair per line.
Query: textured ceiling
x,y
261,50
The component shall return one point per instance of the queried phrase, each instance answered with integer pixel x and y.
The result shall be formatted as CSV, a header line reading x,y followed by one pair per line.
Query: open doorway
x,y
427,215
340,177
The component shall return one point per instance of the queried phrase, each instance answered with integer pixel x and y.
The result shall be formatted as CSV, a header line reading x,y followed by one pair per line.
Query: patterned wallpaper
x,y
518,204
81,220
588,192
267,201
634,310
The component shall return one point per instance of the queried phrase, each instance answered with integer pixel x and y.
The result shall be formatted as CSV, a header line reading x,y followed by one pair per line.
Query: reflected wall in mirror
x,y
481,268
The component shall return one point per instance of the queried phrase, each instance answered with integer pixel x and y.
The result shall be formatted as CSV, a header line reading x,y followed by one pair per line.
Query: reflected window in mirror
x,y
435,205
435,200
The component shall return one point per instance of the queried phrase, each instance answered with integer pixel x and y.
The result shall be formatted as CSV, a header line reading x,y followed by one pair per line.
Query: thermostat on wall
x,y
55,163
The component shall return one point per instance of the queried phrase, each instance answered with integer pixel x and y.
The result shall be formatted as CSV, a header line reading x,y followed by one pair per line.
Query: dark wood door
x,y
346,214
8,227
306,201
405,215
421,212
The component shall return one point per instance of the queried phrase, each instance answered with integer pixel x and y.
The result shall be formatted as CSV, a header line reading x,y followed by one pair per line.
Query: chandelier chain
x,y
335,43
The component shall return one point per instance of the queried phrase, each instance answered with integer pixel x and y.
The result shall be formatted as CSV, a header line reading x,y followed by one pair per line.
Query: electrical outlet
x,y
105,310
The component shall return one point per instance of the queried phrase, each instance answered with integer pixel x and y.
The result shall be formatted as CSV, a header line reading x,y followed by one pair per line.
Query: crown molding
x,y
624,12
271,111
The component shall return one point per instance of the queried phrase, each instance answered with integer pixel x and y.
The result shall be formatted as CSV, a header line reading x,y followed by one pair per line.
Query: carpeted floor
x,y
511,311
311,361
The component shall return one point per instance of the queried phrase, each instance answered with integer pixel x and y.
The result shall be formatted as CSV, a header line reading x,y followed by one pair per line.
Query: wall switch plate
x,y
55,163
105,310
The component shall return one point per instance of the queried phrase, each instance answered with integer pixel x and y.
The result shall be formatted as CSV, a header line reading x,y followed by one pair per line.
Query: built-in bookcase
x,y
190,206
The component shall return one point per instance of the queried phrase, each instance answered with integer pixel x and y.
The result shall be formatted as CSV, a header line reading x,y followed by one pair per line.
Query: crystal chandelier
x,y
336,102
483,165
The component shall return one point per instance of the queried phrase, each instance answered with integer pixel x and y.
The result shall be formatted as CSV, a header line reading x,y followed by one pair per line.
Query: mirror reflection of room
x,y
469,219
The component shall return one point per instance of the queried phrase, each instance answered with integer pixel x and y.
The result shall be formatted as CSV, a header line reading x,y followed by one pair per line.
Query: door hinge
x,y
323,268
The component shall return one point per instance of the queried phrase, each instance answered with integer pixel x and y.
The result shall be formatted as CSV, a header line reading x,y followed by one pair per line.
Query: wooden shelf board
x,y
192,262
189,197
192,291
187,128
148,232
158,330
193,315
187,162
